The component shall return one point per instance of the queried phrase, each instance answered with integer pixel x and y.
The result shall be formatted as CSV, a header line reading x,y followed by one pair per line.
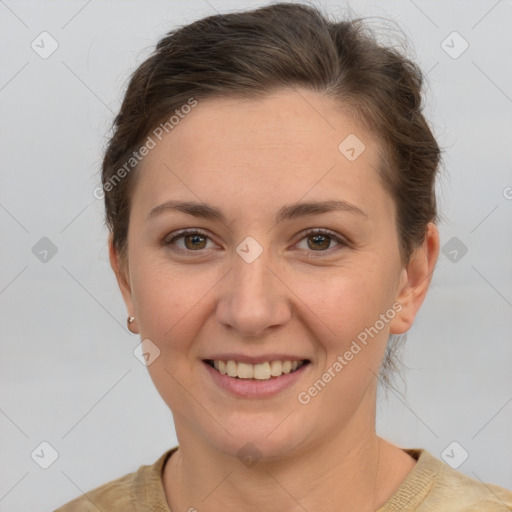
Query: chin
x,y
264,438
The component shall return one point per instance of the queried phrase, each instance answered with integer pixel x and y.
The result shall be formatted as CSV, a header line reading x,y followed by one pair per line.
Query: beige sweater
x,y
432,486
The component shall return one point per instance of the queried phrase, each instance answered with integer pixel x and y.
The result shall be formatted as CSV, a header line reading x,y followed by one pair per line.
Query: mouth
x,y
267,370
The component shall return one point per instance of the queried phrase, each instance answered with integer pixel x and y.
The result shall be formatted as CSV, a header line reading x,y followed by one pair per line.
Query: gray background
x,y
68,373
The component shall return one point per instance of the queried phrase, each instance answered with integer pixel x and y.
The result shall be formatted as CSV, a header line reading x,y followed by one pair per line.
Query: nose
x,y
253,298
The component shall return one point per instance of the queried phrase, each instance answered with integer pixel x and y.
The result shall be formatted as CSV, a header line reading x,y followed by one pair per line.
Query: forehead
x,y
292,123
290,143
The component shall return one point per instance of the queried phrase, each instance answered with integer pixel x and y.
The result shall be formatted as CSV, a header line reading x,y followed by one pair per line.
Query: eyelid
x,y
168,240
183,232
342,241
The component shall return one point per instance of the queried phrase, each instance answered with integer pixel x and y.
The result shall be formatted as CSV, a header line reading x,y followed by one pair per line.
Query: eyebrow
x,y
287,212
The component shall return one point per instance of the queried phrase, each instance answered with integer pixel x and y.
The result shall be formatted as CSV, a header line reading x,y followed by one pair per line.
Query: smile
x,y
260,371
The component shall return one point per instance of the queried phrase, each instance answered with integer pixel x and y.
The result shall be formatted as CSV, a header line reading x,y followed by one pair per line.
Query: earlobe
x,y
415,280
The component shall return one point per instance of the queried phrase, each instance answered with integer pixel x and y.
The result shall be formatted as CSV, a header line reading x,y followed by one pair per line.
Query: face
x,y
260,277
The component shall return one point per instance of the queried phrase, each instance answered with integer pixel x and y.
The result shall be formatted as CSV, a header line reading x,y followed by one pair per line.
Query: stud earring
x,y
129,321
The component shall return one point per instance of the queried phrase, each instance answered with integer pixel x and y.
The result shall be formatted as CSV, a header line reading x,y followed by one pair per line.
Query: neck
x,y
356,470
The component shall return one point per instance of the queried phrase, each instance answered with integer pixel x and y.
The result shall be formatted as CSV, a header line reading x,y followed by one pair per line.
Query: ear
x,y
415,280
120,269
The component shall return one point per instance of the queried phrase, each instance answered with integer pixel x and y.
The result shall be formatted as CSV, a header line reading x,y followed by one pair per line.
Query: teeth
x,y
245,371
276,368
260,371
231,369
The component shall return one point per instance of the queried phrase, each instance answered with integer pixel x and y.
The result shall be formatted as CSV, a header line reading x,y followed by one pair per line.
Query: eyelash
x,y
310,232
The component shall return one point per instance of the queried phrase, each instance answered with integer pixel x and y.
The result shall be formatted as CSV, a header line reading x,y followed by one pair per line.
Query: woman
x,y
270,195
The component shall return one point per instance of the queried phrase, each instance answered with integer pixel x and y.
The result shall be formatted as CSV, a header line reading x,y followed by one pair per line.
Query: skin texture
x,y
249,158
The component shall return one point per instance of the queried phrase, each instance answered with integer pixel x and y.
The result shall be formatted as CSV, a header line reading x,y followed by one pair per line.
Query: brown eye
x,y
188,242
195,241
321,241
318,241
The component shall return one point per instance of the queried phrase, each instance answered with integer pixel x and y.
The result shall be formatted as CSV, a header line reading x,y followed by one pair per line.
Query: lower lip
x,y
253,388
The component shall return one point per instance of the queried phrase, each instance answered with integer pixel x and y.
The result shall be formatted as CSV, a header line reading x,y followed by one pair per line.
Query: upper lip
x,y
244,358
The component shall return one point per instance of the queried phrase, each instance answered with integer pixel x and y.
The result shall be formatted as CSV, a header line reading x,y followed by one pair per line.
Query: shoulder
x,y
116,494
449,489
123,494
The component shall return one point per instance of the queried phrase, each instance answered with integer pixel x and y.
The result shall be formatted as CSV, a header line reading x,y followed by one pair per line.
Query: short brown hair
x,y
250,54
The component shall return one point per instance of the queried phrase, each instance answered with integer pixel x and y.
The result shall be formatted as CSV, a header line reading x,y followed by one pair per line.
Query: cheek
x,y
344,309
172,305
344,302
171,302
